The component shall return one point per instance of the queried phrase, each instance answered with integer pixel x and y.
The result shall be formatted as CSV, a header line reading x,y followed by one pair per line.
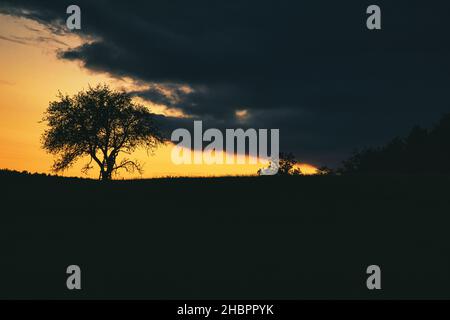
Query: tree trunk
x,y
105,175
107,169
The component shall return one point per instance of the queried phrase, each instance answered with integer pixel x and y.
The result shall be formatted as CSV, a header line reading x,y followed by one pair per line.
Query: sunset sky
x,y
310,69
31,75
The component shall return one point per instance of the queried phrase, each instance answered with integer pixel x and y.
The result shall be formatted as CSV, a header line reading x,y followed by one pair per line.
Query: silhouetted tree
x,y
422,151
439,141
324,170
417,150
101,124
286,164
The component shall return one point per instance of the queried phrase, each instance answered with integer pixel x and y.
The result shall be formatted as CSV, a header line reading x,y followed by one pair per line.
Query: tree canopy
x,y
100,124
421,151
286,165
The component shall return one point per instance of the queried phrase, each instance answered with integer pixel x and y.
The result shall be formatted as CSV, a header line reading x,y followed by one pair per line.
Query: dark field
x,y
230,238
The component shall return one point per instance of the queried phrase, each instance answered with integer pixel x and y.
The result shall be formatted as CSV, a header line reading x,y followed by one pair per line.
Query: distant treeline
x,y
8,173
422,151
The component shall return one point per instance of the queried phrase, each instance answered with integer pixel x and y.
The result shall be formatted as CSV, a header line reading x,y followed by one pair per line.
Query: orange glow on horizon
x,y
306,168
31,76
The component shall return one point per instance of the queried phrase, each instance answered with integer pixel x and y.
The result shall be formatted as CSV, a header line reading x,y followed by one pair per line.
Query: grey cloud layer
x,y
310,68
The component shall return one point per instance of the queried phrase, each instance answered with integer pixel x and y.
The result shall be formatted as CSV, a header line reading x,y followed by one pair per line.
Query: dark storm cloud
x,y
310,68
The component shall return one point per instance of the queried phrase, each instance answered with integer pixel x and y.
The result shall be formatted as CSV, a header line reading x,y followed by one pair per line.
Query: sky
x,y
309,68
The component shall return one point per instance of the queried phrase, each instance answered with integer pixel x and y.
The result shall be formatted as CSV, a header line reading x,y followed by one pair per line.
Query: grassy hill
x,y
255,237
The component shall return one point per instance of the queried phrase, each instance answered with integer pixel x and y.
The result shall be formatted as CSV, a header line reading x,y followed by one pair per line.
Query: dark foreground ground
x,y
261,237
